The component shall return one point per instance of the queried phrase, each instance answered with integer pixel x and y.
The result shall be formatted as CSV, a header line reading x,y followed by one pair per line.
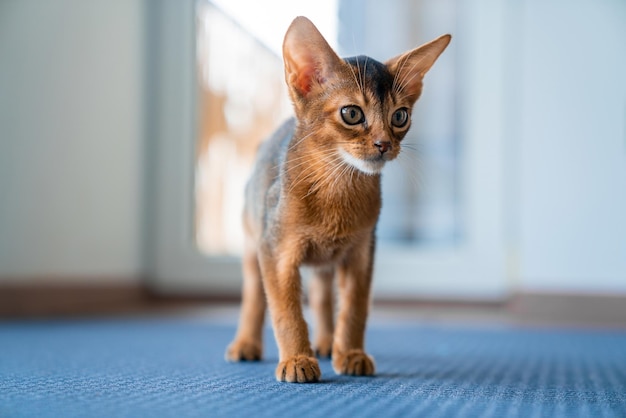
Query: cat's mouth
x,y
372,165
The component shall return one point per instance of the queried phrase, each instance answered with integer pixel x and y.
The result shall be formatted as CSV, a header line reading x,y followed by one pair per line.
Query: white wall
x,y
570,155
71,138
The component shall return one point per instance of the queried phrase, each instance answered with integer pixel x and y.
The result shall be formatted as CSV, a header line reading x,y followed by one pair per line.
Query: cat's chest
x,y
335,217
328,231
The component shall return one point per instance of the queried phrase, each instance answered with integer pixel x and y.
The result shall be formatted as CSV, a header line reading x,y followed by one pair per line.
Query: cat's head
x,y
358,105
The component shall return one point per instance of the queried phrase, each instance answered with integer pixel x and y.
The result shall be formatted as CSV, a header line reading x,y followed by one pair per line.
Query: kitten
x,y
314,199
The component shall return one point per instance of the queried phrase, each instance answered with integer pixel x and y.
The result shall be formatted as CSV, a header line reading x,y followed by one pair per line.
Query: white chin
x,y
367,167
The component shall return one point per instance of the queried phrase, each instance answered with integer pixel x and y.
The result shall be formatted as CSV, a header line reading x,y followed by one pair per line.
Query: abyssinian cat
x,y
314,199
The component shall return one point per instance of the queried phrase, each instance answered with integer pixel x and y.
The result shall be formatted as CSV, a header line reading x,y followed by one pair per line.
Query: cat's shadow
x,y
332,378
414,372
411,373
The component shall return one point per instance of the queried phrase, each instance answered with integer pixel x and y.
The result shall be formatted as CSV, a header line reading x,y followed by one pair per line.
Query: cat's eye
x,y
352,115
400,117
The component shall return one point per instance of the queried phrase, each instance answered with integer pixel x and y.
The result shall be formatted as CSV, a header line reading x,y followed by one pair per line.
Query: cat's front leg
x,y
283,288
321,303
354,282
248,343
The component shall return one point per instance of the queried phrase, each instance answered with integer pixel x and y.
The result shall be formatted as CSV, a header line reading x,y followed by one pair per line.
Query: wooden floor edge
x,y
587,308
71,299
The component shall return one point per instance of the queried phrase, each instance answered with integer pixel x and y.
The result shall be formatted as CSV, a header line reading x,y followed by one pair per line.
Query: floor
x,y
432,361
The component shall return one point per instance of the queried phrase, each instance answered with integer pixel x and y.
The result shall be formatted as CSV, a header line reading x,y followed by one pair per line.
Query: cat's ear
x,y
309,60
409,68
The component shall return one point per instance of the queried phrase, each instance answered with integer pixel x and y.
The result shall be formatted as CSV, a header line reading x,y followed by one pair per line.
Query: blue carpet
x,y
152,368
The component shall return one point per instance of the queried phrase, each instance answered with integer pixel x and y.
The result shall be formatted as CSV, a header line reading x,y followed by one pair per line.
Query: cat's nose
x,y
383,146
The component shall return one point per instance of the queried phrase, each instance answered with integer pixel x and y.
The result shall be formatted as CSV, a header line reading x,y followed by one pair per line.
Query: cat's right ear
x,y
309,61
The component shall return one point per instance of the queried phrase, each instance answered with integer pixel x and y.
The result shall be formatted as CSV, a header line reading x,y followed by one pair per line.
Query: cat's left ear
x,y
409,68
309,60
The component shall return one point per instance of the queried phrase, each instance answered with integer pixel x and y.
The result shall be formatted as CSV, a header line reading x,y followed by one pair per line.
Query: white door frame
x,y
174,264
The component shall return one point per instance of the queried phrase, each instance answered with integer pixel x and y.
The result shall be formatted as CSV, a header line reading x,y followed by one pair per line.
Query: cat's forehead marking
x,y
374,76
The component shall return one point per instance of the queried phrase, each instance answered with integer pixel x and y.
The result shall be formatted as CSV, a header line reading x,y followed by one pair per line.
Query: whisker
x,y
365,70
403,83
305,160
295,144
337,176
415,170
354,75
411,147
395,86
360,75
305,155
298,180
401,98
307,175
324,179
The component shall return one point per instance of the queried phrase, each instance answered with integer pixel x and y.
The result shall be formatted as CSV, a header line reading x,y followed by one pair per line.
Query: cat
x,y
314,198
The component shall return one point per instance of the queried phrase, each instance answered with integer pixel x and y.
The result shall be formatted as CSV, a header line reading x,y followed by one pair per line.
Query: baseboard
x,y
38,299
94,297
569,308
100,298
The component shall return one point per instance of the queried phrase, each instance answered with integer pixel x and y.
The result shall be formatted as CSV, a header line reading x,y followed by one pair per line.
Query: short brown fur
x,y
314,199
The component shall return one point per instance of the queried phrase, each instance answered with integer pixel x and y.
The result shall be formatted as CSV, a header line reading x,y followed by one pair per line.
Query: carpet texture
x,y
157,367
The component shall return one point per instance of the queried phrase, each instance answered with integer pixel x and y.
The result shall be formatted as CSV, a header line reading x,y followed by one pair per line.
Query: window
x,y
242,99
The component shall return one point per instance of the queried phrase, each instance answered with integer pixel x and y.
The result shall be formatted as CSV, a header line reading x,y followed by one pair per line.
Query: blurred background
x,y
128,128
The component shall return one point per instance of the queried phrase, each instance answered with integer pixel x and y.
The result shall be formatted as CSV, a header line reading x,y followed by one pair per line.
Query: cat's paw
x,y
323,348
298,369
242,350
353,362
